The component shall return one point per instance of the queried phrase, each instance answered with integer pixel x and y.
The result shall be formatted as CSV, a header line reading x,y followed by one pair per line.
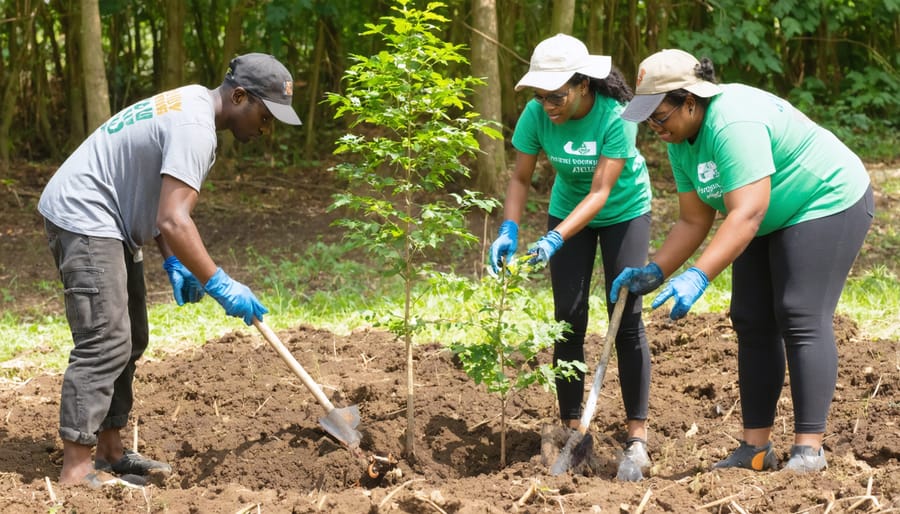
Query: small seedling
x,y
511,332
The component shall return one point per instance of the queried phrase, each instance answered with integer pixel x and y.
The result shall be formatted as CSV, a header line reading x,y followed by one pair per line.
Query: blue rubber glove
x,y
503,248
637,280
545,248
686,288
236,298
185,286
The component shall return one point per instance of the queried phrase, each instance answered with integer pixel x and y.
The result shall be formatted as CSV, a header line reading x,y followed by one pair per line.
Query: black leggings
x,y
621,245
786,286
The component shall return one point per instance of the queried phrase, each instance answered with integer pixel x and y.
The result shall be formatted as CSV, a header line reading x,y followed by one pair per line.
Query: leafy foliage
x,y
503,354
413,125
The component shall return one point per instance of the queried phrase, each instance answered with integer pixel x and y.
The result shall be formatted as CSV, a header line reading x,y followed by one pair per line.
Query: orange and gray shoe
x,y
759,458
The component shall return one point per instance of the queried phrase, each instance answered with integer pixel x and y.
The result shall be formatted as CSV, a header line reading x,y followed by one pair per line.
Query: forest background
x,y
65,65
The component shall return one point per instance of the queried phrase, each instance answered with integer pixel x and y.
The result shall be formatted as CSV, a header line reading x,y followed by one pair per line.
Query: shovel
x,y
578,445
340,423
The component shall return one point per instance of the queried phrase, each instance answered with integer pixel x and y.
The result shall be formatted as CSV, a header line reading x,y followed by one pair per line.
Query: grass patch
x,y
325,288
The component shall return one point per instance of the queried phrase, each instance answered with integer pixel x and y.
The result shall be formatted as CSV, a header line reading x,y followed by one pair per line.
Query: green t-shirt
x,y
575,147
748,134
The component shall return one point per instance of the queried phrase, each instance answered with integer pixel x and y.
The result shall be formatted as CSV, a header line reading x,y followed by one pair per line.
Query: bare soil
x,y
242,433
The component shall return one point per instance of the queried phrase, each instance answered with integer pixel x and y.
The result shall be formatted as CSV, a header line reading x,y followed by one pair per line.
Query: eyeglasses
x,y
665,118
554,99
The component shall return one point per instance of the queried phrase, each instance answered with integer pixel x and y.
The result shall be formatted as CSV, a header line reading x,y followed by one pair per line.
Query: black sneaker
x,y
635,460
806,460
758,458
133,463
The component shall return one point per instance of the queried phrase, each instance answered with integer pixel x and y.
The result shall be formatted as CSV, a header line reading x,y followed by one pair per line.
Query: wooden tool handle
x,y
611,332
293,364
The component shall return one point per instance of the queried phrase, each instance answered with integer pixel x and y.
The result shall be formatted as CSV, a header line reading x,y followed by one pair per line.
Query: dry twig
x,y
261,405
878,385
50,490
728,414
734,505
718,502
422,497
396,490
646,499
248,508
528,494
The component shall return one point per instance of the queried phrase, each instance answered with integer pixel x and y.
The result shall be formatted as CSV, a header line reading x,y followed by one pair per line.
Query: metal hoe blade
x,y
341,423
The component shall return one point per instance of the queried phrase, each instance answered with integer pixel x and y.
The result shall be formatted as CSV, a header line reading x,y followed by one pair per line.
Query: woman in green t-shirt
x,y
601,195
797,204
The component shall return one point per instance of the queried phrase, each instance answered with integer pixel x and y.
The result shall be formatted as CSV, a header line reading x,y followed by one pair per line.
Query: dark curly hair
x,y
613,86
706,71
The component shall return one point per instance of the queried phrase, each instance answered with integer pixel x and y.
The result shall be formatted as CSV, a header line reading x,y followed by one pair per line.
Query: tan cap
x,y
663,72
557,58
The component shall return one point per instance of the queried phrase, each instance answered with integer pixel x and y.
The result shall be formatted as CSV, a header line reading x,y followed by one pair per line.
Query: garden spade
x,y
340,423
579,445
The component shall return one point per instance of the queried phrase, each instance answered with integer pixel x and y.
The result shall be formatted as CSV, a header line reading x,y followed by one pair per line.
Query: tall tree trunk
x,y
42,97
491,163
594,40
173,52
563,19
230,46
92,62
315,74
19,37
73,83
631,56
509,61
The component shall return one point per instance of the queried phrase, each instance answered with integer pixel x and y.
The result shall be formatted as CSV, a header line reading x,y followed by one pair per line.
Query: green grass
x,y
325,287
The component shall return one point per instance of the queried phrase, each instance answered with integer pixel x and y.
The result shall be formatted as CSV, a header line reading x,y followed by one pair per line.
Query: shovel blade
x,y
576,449
341,423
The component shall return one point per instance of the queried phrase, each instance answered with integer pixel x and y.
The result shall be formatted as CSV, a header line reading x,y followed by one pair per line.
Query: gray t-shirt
x,y
109,187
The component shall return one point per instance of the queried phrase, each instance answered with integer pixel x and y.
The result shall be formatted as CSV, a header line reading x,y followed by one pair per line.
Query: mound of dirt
x,y
242,433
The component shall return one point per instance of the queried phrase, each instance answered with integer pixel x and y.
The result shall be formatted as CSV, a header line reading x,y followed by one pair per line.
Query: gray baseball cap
x,y
266,78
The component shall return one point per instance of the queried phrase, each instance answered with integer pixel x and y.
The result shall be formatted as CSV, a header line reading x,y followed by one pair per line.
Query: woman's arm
x,y
747,206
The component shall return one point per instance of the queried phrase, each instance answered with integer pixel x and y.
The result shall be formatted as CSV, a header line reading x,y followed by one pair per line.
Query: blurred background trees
x,y
835,59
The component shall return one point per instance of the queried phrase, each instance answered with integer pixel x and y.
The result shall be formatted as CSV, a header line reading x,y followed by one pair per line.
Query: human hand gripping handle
x,y
637,280
236,298
686,288
545,248
503,248
185,286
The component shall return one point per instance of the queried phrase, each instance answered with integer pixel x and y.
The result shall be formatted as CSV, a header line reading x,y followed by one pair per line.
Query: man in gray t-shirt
x,y
135,179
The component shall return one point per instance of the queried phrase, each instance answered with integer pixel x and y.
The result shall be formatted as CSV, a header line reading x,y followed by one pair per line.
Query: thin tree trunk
x,y
230,45
173,74
10,82
73,83
632,36
508,61
594,40
491,163
563,19
314,76
42,96
92,62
